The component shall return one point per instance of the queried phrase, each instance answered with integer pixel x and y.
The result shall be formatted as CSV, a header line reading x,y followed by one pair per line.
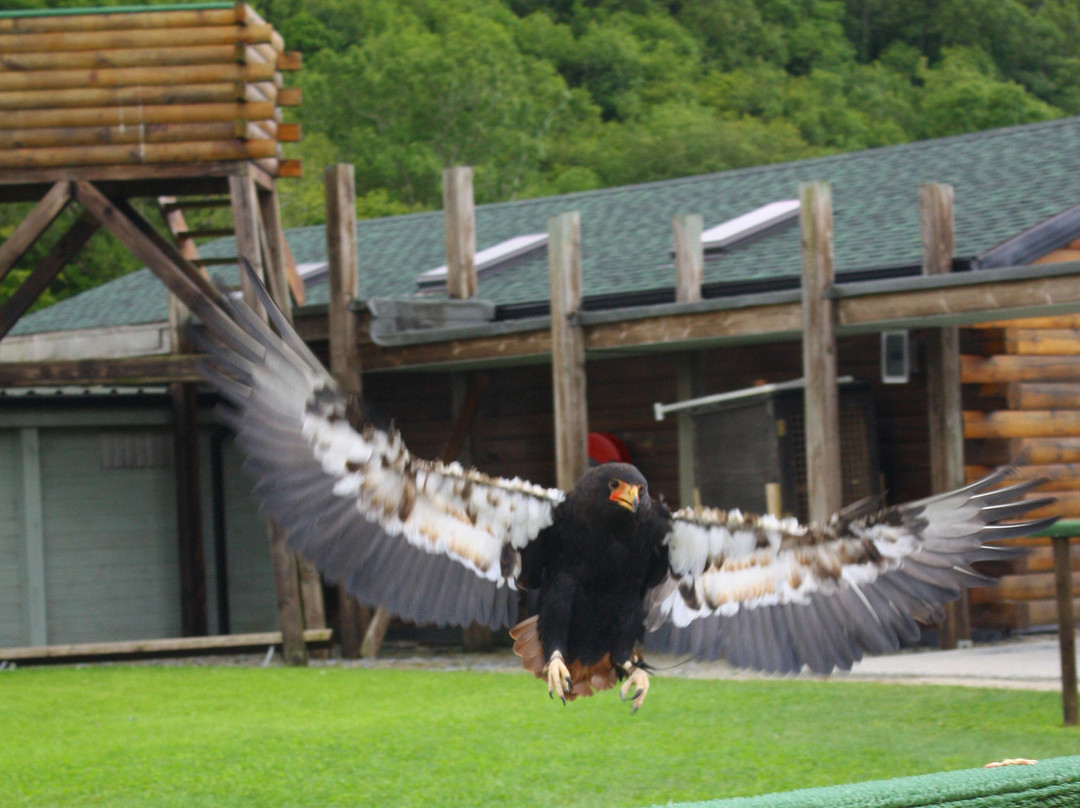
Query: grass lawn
x,y
223,736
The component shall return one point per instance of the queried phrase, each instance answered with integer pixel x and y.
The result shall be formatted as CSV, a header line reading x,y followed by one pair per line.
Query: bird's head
x,y
619,483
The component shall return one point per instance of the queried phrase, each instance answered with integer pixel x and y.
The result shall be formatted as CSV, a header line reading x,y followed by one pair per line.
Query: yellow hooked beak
x,y
626,495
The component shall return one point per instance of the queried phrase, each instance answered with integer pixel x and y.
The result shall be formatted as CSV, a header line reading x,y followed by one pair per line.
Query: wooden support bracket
x,y
30,229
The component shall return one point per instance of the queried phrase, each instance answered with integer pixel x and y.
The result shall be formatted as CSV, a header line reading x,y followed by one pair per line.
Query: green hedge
x,y
1047,784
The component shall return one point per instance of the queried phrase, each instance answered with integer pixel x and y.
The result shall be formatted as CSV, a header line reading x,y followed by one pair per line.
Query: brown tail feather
x,y
586,678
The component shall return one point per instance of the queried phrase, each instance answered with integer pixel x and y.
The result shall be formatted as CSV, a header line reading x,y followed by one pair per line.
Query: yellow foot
x,y
558,677
637,683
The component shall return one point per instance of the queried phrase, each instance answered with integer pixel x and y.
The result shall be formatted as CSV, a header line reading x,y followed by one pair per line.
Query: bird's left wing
x,y
432,542
775,595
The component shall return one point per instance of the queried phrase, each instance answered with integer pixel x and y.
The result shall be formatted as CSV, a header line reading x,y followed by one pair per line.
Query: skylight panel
x,y
490,258
749,224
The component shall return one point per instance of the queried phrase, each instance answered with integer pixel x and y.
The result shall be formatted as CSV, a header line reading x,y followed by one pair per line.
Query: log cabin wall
x,y
1022,403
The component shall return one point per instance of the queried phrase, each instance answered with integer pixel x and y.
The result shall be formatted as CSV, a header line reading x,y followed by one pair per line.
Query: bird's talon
x,y
558,677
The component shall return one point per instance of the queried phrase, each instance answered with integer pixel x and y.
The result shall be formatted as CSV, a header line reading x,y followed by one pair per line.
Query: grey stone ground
x,y
1031,663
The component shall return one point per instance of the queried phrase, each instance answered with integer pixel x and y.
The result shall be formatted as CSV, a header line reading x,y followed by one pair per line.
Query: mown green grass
x,y
224,736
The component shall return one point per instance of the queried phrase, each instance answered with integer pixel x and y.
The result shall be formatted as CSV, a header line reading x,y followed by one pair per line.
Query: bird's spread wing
x,y
432,542
774,595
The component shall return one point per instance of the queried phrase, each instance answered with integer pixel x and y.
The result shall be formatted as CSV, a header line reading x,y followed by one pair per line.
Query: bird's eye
x,y
613,485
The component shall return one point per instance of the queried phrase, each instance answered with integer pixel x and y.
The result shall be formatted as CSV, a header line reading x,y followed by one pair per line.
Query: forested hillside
x,y
550,96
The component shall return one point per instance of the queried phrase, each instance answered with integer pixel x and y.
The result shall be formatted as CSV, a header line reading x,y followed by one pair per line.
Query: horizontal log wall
x,y
1022,404
145,87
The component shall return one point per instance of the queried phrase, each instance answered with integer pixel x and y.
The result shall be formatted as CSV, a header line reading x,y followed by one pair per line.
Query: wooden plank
x,y
118,21
135,116
1057,476
1021,424
96,135
225,92
1043,341
134,38
138,370
968,301
28,231
190,550
1036,585
689,257
139,153
1022,615
1045,396
460,229
219,643
1064,582
38,281
290,614
819,353
33,535
119,57
1059,321
567,350
1004,369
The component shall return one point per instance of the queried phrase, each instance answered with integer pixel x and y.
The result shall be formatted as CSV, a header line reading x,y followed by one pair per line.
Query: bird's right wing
x,y
775,595
432,542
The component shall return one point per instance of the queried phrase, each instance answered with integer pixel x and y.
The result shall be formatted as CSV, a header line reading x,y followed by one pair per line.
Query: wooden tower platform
x,y
180,106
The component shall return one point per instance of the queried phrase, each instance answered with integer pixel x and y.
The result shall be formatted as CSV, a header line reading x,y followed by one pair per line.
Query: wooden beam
x,y
138,370
138,115
246,221
156,76
190,550
819,353
120,57
946,423
95,135
52,101
28,231
1063,584
290,97
227,643
38,281
138,154
145,38
1022,424
33,525
1006,369
460,219
286,585
341,257
689,257
340,189
118,21
567,350
282,262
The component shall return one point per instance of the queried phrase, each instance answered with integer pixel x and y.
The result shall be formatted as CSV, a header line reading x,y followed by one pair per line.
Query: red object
x,y
606,448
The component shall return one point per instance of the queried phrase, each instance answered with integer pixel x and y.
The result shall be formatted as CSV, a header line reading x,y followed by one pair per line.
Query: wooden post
x,y
689,257
246,220
1066,629
245,208
460,232
687,386
345,365
567,350
946,418
819,352
193,615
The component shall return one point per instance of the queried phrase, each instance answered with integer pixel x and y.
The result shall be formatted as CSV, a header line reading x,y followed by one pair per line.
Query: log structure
x,y
182,106
183,85
1022,400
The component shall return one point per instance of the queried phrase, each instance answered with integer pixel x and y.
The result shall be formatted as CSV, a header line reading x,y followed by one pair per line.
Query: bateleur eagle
x,y
438,543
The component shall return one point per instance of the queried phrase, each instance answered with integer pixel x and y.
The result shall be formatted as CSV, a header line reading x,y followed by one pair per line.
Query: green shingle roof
x,y
1006,181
